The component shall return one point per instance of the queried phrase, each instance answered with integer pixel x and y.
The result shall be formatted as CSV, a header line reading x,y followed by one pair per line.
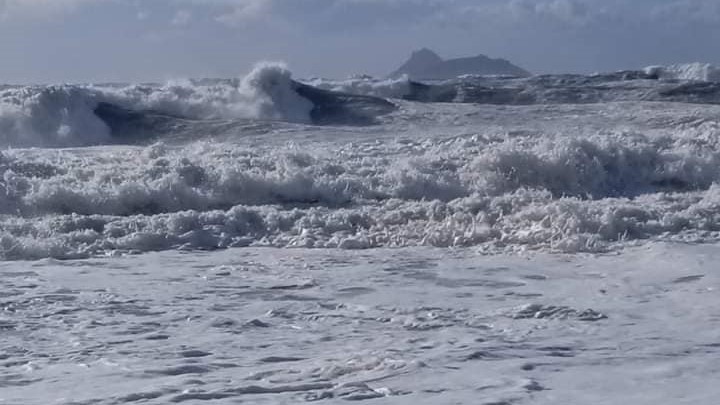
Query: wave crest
x,y
65,115
704,72
56,115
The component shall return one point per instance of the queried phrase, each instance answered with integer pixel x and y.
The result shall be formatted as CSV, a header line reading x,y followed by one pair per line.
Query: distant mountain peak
x,y
425,55
425,64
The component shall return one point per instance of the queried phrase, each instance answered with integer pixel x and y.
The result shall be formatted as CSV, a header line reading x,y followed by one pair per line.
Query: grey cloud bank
x,y
130,40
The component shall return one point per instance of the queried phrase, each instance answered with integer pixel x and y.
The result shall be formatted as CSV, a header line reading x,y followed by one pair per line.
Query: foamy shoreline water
x,y
400,326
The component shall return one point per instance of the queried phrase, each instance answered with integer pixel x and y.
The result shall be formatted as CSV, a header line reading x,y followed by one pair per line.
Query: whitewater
x,y
266,239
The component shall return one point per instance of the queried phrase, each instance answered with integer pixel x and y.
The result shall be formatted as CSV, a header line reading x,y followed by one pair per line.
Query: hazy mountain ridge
x,y
425,64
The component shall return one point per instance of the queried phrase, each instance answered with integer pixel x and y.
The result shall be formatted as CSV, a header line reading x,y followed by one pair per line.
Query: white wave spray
x,y
64,115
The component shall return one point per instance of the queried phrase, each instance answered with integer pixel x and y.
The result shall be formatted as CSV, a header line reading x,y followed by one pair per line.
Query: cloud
x,y
570,13
181,18
242,12
365,13
40,7
679,12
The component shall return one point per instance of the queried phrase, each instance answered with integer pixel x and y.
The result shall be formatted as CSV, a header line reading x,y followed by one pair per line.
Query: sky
x,y
53,41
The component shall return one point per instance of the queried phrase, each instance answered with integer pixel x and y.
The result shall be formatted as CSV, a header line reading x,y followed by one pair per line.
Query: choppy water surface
x,y
482,240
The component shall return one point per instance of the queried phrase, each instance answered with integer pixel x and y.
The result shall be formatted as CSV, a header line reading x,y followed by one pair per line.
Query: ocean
x,y
490,240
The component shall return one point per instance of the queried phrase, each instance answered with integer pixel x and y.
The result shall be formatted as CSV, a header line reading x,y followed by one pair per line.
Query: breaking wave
x,y
553,192
68,115
56,115
703,72
691,83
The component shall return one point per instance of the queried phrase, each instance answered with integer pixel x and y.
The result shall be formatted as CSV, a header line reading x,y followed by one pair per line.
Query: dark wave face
x,y
328,108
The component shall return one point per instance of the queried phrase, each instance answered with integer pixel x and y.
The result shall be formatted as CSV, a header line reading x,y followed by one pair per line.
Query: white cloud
x,y
243,12
574,13
569,11
39,7
181,18
688,11
339,14
372,12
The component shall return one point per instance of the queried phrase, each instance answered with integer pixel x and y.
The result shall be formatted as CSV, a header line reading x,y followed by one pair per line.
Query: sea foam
x,y
558,192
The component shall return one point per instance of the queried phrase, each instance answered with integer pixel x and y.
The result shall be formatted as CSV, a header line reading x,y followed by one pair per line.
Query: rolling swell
x,y
692,83
566,89
328,108
67,115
